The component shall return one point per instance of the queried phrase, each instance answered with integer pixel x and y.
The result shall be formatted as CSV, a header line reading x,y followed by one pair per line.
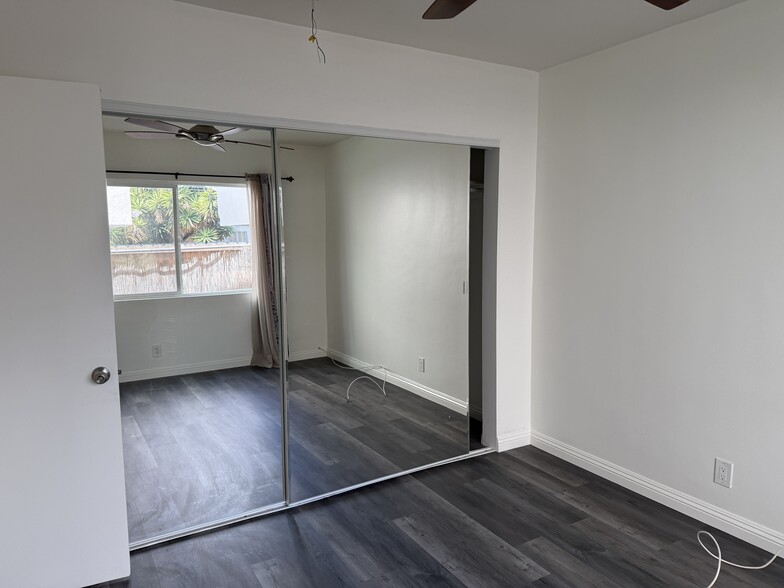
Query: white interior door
x,y
62,496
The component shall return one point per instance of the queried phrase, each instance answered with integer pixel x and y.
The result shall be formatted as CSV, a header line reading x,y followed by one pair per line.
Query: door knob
x,y
101,375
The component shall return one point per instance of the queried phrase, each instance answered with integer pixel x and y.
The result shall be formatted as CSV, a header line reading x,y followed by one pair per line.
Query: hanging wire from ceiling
x,y
322,57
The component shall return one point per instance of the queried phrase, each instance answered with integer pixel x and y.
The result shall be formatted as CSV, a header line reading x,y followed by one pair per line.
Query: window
x,y
172,239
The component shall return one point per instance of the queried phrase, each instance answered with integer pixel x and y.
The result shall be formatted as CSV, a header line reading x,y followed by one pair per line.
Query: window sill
x,y
175,296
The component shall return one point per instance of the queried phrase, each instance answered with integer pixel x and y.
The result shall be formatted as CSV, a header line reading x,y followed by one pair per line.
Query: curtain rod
x,y
178,174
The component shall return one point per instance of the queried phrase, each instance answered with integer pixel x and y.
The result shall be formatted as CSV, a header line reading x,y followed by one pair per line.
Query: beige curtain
x,y
266,322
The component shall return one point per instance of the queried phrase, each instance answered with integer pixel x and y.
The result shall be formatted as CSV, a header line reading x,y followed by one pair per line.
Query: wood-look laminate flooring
x,y
206,446
335,444
520,518
199,448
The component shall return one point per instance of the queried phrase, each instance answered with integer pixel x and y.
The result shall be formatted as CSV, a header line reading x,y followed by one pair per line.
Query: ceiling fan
x,y
441,9
204,135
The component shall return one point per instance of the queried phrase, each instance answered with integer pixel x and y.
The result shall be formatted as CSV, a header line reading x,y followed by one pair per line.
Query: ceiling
x,y
532,34
286,137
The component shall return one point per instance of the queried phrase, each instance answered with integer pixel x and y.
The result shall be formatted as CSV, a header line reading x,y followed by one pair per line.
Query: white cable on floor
x,y
717,556
371,378
382,388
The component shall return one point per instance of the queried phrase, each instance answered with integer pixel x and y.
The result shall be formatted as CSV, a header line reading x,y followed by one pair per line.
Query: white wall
x,y
264,68
397,258
197,333
305,234
213,332
659,282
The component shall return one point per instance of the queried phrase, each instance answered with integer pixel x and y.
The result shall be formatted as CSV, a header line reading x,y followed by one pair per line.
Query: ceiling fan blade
x,y
441,9
154,124
256,144
215,146
246,143
151,135
667,4
232,131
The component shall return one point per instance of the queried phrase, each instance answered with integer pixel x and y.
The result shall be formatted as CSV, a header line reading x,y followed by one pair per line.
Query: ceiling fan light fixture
x,y
203,135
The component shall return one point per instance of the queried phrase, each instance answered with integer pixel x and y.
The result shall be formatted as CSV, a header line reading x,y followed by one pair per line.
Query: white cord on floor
x,y
717,556
382,388
371,378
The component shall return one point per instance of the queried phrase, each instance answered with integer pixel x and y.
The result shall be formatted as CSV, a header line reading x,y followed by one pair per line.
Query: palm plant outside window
x,y
179,239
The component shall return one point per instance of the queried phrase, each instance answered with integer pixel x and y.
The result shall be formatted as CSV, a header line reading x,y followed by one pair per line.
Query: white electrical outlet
x,y
156,351
422,364
722,472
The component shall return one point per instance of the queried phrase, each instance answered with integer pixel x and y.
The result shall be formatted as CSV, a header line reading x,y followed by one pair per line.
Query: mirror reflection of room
x,y
371,313
377,307
200,389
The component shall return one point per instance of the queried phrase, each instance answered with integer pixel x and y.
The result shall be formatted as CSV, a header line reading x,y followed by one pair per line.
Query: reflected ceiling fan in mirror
x,y
441,9
203,135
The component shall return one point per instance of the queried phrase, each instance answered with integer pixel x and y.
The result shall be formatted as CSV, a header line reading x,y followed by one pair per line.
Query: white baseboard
x,y
431,394
513,440
754,533
183,369
308,354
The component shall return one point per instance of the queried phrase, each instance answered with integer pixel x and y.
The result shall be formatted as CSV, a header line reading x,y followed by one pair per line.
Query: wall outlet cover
x,y
722,472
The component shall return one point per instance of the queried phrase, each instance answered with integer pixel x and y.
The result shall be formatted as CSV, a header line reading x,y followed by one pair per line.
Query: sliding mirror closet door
x,y
376,271
189,220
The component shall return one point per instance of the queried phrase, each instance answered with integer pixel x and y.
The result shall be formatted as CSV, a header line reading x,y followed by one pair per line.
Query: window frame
x,y
142,181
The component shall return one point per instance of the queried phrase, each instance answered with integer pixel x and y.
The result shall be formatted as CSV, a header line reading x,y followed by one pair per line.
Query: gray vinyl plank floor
x,y
206,446
520,518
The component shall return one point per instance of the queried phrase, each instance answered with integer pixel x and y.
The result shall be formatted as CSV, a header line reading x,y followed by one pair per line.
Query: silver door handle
x,y
101,375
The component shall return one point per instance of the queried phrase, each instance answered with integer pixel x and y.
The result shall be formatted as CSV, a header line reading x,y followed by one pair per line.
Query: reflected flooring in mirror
x,y
334,444
207,446
200,447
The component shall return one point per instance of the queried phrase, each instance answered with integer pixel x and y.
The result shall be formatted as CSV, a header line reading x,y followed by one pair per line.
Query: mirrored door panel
x,y
201,417
376,272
